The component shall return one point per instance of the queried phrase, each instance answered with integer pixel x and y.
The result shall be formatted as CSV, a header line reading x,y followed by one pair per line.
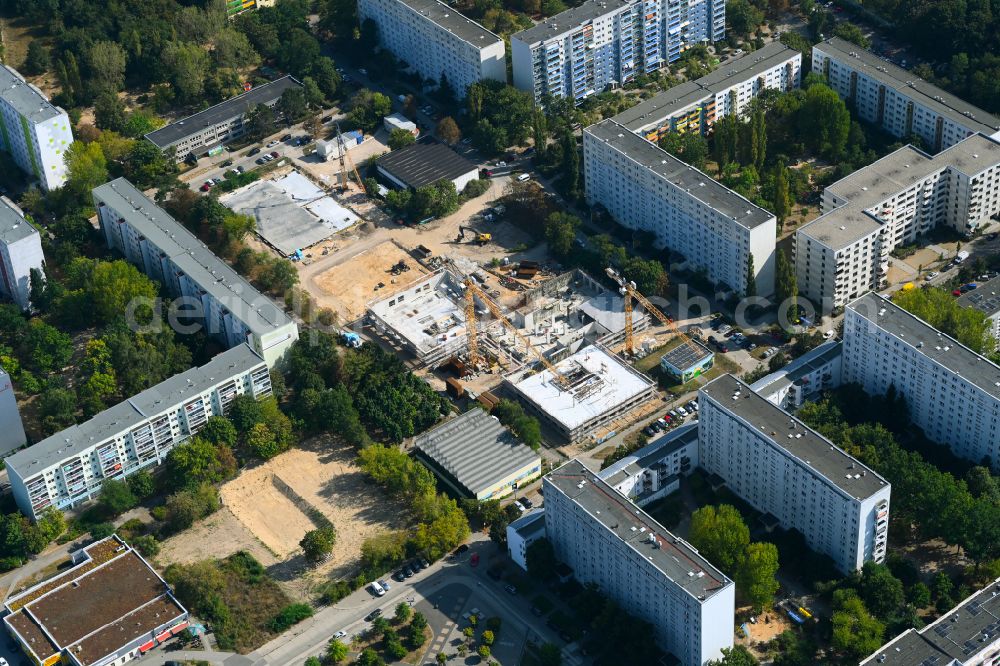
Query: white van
x,y
376,589
523,177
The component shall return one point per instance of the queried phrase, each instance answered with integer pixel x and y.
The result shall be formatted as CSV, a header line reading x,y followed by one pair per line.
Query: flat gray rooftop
x,y
910,84
687,355
464,28
801,442
699,185
673,100
24,98
961,634
530,524
221,112
672,556
652,453
986,298
475,450
888,176
424,164
13,226
130,412
570,20
944,350
260,314
799,368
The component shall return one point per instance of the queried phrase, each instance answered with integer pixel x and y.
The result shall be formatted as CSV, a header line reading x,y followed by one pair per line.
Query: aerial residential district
x,y
520,332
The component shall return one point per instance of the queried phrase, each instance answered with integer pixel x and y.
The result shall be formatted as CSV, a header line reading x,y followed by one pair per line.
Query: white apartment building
x,y
607,43
523,532
20,251
635,561
964,636
986,299
897,100
784,468
11,427
655,470
70,466
953,393
694,106
208,288
435,40
645,188
34,131
804,379
844,253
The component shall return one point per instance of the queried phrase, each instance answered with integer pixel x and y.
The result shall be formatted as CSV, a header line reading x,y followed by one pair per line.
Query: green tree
x,y
824,121
56,407
261,442
737,655
782,198
86,168
881,592
938,308
571,164
483,651
368,108
107,61
259,122
743,17
197,460
919,595
37,60
757,575
116,497
785,281
369,657
403,612
855,631
186,65
560,233
719,533
336,651
725,138
147,545
313,661
292,105
751,289
317,544
400,138
852,33
219,431
447,131
690,147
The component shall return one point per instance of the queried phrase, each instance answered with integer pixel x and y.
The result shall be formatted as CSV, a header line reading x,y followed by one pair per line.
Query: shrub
x,y
147,545
289,616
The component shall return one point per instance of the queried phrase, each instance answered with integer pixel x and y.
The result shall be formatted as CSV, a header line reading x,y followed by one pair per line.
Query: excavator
x,y
477,237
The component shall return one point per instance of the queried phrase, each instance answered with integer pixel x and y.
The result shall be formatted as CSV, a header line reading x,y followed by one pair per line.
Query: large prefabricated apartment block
x,y
695,106
20,252
226,304
70,466
899,101
599,388
436,41
645,188
607,43
953,393
782,467
36,133
844,253
635,561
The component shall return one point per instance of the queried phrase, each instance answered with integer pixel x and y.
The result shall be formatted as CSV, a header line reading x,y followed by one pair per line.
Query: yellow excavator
x,y
477,237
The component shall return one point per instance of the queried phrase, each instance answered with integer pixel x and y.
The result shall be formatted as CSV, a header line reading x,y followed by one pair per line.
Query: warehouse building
x,y
804,379
477,456
964,636
781,467
229,307
986,299
844,253
435,41
220,123
896,100
645,188
423,164
636,562
69,467
687,360
655,470
33,131
953,393
694,106
20,252
597,387
109,608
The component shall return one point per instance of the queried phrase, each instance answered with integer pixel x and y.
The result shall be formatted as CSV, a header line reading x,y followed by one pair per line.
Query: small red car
x,y
474,560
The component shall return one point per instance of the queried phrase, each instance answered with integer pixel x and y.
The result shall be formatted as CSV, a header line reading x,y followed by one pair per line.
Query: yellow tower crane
x,y
472,290
345,162
628,291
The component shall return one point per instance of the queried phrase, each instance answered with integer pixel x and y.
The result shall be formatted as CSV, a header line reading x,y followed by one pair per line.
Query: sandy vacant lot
x,y
350,286
266,511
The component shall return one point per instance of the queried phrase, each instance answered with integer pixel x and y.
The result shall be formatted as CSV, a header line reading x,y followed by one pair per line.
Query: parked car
x,y
725,328
227,163
374,614
385,585
205,188
510,589
424,563
682,411
275,155
829,334
286,137
527,502
272,144
253,151
519,506
376,589
340,634
930,276
240,169
399,576
407,572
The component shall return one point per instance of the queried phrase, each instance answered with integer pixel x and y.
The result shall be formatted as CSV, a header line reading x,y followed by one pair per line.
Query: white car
x,y
930,276
682,411
340,634
828,335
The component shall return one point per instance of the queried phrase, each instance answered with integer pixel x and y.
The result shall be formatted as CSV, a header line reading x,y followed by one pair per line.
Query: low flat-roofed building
x,y
423,164
220,123
986,299
635,561
967,635
599,388
396,121
655,470
477,456
20,252
523,532
953,393
804,378
427,319
687,360
780,466
109,608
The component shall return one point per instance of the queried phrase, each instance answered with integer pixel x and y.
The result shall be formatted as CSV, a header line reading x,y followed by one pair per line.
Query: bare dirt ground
x,y
769,625
266,511
350,286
